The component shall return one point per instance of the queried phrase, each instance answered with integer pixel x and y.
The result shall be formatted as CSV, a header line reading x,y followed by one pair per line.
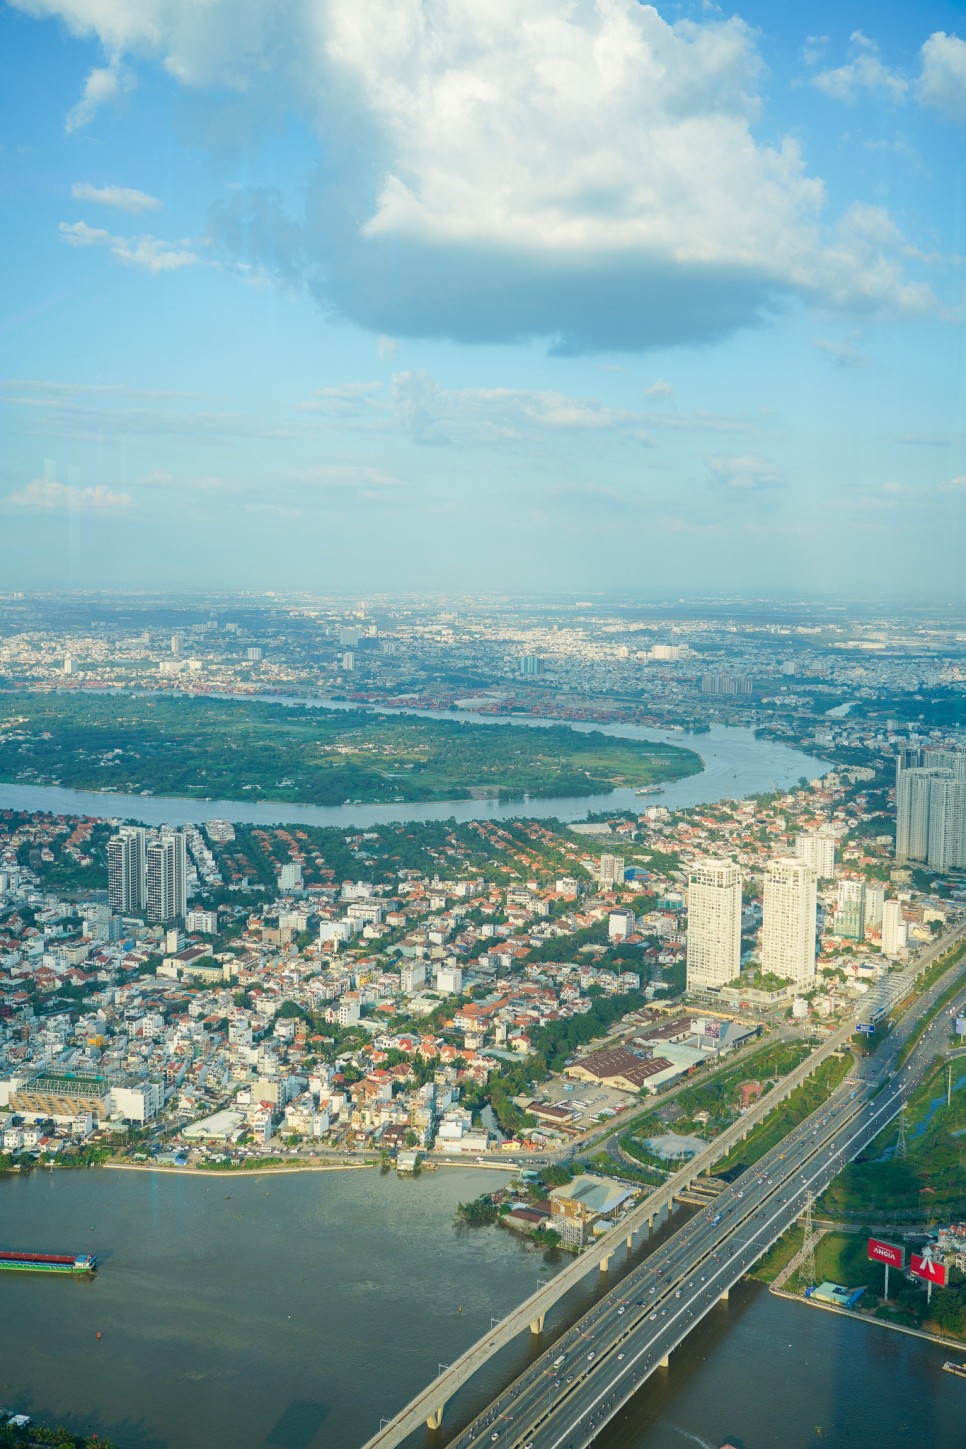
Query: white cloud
x,y
125,198
431,413
744,474
148,252
585,173
46,496
103,83
660,388
865,72
942,80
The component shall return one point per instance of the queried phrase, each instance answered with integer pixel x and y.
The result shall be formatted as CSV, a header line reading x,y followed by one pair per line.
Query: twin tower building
x,y
788,921
147,873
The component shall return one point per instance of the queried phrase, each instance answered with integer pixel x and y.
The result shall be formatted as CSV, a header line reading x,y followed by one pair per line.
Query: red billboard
x,y
929,1268
880,1252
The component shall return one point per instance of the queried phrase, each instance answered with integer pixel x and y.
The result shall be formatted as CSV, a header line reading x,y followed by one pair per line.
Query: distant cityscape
x,y
250,989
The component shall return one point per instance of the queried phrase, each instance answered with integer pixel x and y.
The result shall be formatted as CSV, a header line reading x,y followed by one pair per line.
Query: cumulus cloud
x,y
148,252
743,474
125,198
588,174
660,388
46,496
864,73
942,80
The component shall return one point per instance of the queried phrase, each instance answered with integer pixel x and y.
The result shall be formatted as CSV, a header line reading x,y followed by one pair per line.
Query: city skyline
x,y
622,298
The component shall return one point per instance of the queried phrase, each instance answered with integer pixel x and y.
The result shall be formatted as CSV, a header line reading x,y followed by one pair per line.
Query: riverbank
x,y
735,762
857,1316
293,754
172,1170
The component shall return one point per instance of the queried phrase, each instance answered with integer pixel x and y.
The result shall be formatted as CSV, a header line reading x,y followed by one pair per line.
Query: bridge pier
x,y
536,1324
436,1417
630,1242
665,1361
724,1297
605,1262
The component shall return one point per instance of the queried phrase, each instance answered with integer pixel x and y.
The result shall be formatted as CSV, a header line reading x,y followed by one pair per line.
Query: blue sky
x,y
337,294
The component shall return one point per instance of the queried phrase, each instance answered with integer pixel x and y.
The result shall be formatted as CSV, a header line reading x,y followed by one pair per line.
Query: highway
x,y
564,1399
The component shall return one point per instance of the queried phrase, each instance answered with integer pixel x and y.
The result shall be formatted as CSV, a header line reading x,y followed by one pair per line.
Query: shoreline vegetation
x,y
214,748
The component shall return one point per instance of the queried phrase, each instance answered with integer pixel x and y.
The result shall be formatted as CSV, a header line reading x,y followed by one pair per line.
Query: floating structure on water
x,y
48,1262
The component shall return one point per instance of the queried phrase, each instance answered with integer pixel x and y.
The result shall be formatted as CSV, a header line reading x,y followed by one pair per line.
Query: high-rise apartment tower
x,y
714,924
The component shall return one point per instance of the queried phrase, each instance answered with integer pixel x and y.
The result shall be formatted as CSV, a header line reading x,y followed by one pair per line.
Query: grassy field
x,y
242,749
930,1184
788,1114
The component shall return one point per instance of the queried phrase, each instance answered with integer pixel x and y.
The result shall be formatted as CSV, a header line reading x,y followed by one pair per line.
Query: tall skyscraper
x,y
166,877
931,808
788,922
125,870
850,910
947,824
714,924
818,848
913,795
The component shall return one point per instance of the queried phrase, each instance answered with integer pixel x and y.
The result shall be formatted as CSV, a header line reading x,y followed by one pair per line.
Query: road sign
x,y
961,1025
929,1268
865,1026
880,1252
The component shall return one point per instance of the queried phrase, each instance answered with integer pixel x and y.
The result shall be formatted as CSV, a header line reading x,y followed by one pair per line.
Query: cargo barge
x,y
48,1262
952,1367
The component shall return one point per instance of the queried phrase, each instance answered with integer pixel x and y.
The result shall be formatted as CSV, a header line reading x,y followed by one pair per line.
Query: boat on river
x,y
48,1262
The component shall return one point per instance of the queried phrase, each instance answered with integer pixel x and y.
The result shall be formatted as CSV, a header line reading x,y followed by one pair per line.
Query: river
x,y
292,1312
736,765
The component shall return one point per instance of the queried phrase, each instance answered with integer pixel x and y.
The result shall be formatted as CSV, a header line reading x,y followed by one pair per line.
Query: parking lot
x,y
587,1099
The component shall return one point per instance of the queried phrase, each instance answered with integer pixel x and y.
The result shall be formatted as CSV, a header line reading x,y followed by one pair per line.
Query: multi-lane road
x,y
564,1399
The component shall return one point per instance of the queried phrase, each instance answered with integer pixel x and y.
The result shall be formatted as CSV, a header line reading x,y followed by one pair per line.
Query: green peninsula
x,y
215,748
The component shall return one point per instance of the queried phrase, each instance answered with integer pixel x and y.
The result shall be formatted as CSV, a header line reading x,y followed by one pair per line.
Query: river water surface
x,y
736,764
293,1312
